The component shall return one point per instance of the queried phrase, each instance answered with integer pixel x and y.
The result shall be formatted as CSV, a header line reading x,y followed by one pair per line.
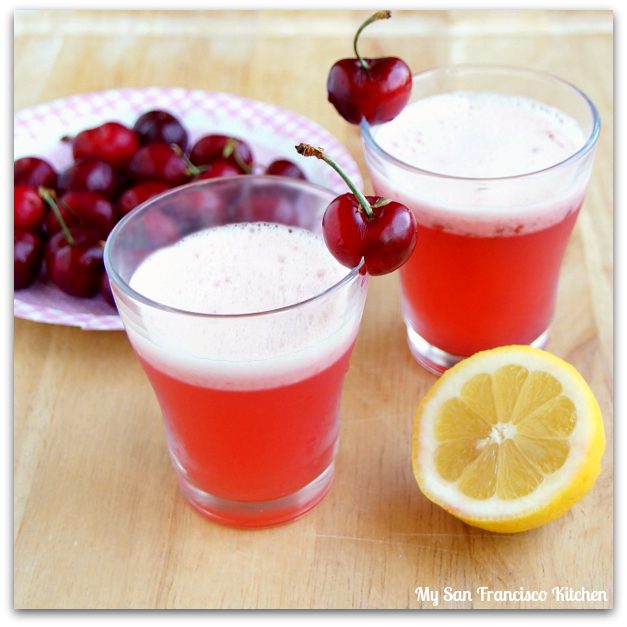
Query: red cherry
x,y
76,268
220,168
375,89
212,148
378,94
89,174
158,162
138,194
33,172
28,253
112,142
88,209
160,127
283,167
29,209
385,242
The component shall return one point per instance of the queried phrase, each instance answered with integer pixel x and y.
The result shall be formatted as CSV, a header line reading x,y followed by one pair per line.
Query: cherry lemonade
x,y
485,267
250,400
221,440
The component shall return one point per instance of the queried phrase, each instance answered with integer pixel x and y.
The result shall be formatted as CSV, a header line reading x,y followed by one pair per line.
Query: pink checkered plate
x,y
271,131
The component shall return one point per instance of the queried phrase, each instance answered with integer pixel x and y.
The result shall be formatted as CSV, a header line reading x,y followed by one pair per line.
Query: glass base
x,y
438,361
257,514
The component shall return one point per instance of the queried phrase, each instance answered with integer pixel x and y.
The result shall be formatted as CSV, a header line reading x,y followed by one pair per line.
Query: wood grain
x,y
98,519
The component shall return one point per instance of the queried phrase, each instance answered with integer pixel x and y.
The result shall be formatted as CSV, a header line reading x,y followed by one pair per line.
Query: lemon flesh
x,y
508,439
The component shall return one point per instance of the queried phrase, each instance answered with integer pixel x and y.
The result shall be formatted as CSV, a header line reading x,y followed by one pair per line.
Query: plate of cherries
x,y
83,163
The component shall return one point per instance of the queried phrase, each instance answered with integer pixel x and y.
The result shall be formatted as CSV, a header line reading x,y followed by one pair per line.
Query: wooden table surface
x,y
98,519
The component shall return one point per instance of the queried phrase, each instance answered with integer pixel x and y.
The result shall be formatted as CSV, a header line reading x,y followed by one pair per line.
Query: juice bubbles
x,y
247,353
496,181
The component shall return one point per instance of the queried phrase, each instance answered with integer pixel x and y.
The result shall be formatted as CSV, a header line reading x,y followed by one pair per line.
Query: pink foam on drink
x,y
243,269
239,269
482,136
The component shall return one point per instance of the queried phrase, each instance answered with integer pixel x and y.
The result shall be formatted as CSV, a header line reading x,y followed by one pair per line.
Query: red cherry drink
x,y
463,315
223,444
494,211
249,381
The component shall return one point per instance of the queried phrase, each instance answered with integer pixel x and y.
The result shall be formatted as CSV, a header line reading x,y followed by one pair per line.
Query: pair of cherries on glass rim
x,y
379,230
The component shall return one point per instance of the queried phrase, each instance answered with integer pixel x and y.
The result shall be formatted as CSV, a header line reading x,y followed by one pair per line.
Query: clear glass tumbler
x,y
485,269
251,421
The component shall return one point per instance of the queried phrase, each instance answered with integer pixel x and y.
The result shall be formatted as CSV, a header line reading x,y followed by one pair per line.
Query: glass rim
x,y
583,151
123,285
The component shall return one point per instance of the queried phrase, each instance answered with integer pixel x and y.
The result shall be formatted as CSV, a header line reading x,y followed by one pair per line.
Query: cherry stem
x,y
379,15
309,151
193,170
230,148
49,198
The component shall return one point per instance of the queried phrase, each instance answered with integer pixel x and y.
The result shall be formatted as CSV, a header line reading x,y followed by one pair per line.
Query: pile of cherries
x,y
62,219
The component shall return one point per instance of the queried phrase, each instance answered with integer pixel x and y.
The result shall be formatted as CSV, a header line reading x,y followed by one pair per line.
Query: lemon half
x,y
508,440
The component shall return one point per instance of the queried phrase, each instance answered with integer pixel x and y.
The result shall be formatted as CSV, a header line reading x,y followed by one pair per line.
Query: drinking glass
x,y
251,424
485,269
